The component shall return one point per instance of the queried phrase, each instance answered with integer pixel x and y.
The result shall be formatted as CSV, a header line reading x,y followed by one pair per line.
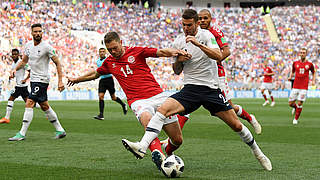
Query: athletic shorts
x,y
20,91
223,85
150,105
106,84
191,97
298,94
268,86
38,92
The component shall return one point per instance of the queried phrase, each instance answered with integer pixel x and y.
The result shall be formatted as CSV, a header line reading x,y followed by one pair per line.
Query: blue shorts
x,y
38,92
191,97
20,91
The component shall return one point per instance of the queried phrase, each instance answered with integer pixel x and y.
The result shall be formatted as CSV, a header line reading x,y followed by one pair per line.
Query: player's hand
x,y
23,81
71,81
12,74
193,40
60,86
183,58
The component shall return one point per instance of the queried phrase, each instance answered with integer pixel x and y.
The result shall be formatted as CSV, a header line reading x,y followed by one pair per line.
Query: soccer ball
x,y
172,166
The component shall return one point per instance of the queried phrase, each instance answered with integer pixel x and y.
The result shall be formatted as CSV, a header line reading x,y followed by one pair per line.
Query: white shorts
x,y
298,94
223,85
150,105
268,86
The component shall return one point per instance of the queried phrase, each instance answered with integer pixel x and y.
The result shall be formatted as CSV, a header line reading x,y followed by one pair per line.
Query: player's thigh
x,y
231,119
293,95
144,118
44,105
142,108
39,92
173,131
30,103
302,96
171,107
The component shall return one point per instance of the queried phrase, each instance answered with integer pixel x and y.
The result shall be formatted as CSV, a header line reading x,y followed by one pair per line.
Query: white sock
x,y
53,118
152,131
240,110
9,109
27,118
247,137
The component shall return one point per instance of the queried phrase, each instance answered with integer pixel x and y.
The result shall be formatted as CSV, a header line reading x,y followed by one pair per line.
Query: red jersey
x,y
301,70
133,73
218,34
267,78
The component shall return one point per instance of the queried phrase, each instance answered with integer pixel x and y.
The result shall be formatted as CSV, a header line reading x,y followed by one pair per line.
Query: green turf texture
x,y
211,150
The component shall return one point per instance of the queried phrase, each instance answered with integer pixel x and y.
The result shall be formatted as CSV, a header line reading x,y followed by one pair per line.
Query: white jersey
x,y
20,74
200,69
39,58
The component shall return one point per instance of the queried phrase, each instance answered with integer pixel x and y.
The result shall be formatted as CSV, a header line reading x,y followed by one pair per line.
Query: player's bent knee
x,y
177,141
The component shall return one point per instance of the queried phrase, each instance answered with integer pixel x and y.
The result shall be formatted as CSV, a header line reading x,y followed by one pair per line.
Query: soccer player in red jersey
x,y
128,65
301,70
267,83
205,23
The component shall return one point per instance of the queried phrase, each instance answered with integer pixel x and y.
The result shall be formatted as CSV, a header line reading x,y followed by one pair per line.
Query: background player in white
x,y
38,54
21,88
267,83
200,88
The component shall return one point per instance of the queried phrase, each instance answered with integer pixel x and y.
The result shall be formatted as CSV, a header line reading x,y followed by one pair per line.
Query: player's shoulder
x,y
180,37
28,44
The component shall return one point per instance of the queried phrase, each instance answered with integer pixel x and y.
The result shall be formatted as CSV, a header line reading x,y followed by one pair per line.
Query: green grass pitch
x,y
211,150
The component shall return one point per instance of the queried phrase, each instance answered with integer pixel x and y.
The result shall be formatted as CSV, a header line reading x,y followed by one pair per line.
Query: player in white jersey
x,y
38,55
200,88
21,88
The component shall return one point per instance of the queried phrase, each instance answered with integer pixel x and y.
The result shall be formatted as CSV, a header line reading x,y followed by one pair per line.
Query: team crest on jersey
x,y
307,67
113,65
131,59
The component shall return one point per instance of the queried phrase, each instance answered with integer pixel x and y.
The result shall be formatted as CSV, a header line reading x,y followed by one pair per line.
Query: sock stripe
x,y
152,130
9,106
25,121
52,121
251,142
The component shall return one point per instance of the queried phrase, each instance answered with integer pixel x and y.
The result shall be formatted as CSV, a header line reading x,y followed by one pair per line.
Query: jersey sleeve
x,y
26,50
211,40
103,69
51,51
27,67
149,52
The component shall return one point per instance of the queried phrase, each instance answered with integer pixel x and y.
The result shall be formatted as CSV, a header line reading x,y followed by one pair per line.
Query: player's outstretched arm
x,y
59,72
91,75
171,52
225,52
21,64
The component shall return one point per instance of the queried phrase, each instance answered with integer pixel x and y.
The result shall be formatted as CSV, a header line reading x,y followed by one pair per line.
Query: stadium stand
x,y
245,29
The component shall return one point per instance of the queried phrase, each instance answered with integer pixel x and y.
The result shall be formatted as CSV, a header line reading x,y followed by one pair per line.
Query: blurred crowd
x,y
245,31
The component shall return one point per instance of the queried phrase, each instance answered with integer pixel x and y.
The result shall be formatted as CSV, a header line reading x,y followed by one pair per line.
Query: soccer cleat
x,y
4,120
255,124
265,103
293,111
99,117
295,121
17,137
134,148
263,159
60,134
157,158
272,103
125,109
